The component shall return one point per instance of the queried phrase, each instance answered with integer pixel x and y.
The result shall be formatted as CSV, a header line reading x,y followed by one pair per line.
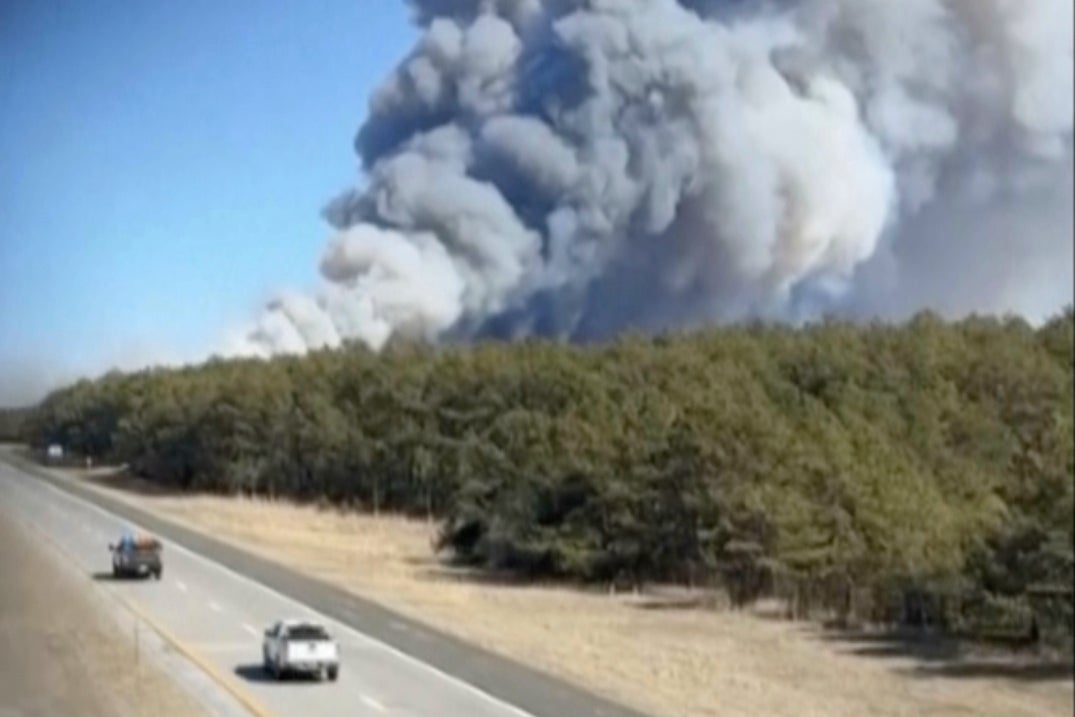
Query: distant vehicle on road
x,y
300,646
136,555
55,453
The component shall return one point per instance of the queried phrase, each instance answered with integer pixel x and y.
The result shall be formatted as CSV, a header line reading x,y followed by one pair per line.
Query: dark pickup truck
x,y
136,556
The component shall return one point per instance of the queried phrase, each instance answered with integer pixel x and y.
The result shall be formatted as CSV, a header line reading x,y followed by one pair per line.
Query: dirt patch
x,y
59,655
663,657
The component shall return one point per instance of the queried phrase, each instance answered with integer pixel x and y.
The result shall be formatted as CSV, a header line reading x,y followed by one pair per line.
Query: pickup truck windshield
x,y
307,632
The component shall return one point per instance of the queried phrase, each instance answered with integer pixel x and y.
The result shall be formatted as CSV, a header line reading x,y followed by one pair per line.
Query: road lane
x,y
214,610
471,668
62,652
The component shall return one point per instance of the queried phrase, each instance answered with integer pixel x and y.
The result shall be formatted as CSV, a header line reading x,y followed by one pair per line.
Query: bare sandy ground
x,y
59,655
672,662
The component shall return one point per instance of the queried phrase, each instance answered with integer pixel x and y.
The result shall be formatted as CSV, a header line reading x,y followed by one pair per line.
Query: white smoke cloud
x,y
576,167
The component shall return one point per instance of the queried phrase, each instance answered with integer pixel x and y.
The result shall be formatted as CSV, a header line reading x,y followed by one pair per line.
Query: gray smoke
x,y
576,167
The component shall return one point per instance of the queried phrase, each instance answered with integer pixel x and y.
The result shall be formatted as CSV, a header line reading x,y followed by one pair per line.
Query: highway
x,y
218,615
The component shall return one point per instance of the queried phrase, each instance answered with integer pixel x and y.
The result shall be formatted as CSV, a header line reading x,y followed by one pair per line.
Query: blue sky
x,y
163,165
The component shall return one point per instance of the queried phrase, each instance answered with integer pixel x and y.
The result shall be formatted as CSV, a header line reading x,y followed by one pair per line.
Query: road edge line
x,y
57,480
248,702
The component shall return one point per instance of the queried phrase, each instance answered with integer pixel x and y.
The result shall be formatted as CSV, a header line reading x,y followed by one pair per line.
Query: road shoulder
x,y
62,650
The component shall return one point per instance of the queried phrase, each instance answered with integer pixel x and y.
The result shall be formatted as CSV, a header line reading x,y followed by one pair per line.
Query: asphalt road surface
x,y
217,600
60,654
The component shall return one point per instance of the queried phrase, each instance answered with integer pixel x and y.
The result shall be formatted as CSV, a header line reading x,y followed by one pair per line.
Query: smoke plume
x,y
577,167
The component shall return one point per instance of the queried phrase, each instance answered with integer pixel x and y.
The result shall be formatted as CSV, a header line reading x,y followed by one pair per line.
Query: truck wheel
x,y
157,573
333,673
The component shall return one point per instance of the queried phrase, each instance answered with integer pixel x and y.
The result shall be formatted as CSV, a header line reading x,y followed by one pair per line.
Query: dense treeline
x,y
12,423
882,472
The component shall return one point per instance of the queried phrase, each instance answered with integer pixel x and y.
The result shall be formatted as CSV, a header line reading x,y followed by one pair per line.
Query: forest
x,y
12,421
919,472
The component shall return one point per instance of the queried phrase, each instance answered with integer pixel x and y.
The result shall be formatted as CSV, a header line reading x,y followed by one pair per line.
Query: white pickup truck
x,y
300,646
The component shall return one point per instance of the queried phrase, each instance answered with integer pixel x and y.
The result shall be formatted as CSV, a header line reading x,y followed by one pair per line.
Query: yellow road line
x,y
244,698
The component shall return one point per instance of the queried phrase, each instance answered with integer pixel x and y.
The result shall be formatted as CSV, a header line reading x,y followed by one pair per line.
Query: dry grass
x,y
145,690
670,662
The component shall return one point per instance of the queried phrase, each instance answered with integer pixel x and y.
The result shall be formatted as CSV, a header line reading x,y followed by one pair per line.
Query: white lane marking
x,y
214,607
372,703
250,628
399,654
181,585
